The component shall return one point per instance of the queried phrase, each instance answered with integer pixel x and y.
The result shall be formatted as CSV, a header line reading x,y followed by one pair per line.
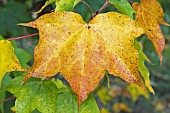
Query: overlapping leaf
x,y
123,6
150,14
142,68
83,51
8,60
47,97
61,5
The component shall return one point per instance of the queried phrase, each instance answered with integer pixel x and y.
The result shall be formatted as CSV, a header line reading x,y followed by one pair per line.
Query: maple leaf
x,y
123,6
150,14
61,5
82,51
8,60
142,68
47,97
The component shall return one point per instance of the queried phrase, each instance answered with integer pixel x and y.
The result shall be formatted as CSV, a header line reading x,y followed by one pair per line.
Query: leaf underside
x,y
82,52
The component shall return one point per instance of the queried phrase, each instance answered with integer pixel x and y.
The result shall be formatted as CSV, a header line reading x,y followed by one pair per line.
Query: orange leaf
x,y
83,51
150,14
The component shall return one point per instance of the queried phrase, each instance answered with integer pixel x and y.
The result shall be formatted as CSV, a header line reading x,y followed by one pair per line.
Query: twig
x,y
21,37
88,6
130,1
8,99
99,11
103,7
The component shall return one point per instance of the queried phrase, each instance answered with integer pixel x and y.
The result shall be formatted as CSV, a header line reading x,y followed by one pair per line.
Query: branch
x,y
8,99
103,7
21,37
99,11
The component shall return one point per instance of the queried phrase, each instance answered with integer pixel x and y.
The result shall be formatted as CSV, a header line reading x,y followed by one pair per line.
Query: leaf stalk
x,y
8,99
21,37
99,11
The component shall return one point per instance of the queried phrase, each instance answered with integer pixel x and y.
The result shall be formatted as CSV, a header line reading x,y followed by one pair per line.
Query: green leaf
x,y
68,102
2,97
10,16
61,5
76,2
89,105
59,84
23,56
66,5
1,38
5,81
34,94
142,68
47,98
123,6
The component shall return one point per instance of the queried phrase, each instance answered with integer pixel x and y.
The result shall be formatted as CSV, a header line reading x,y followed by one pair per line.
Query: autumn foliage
x,y
83,51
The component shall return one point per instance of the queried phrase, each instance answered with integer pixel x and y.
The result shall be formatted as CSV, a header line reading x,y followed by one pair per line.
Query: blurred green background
x,y
117,98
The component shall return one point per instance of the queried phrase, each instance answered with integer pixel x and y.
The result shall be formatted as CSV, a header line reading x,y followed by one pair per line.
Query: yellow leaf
x,y
104,110
83,51
136,91
103,95
118,107
13,109
150,14
8,60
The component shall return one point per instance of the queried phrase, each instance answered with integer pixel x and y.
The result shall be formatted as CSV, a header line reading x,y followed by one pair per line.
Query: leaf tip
x,y
22,24
30,24
151,90
166,24
161,59
36,12
147,84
